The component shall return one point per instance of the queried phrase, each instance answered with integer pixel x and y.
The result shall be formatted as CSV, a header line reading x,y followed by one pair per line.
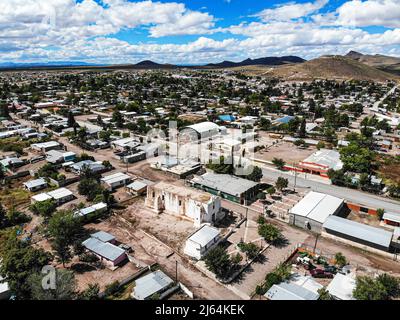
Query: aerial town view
x,y
199,150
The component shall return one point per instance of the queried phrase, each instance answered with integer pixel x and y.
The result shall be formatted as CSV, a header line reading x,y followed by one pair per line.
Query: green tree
x,y
65,286
90,293
71,120
19,261
269,232
369,289
380,213
255,175
320,145
64,230
340,259
4,223
324,294
281,183
302,129
250,249
218,261
44,208
279,163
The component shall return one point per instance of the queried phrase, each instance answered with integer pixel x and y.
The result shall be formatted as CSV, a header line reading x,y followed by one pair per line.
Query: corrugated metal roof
x,y
392,216
204,235
60,193
115,178
103,249
103,236
35,183
290,291
359,231
342,287
204,127
317,206
150,284
325,157
225,183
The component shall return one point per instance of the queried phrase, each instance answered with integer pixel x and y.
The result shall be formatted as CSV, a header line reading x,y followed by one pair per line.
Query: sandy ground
x,y
284,150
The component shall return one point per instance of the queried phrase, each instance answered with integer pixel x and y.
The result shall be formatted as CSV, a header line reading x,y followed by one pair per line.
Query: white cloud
x,y
291,11
359,13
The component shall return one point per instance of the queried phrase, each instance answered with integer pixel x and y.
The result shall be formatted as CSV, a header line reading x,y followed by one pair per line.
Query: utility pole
x,y
295,177
315,244
176,271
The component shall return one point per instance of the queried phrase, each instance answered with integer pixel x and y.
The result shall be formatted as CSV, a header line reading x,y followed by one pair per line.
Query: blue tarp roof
x,y
227,117
285,119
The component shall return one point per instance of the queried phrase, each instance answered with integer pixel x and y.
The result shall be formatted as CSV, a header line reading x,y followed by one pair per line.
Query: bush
x,y
112,288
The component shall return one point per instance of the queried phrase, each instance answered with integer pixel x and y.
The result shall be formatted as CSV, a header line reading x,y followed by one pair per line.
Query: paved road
x,y
351,195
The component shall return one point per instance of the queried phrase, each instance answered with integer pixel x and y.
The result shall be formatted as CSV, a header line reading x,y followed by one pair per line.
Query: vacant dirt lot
x,y
287,151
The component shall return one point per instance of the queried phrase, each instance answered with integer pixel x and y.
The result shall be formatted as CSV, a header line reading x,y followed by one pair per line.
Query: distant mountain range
x,y
267,61
381,62
13,65
353,65
147,64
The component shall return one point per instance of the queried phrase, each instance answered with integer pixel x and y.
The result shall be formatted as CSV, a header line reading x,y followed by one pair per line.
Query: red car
x,y
319,273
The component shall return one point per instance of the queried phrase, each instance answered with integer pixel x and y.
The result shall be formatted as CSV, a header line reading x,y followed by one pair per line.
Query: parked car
x,y
319,273
330,269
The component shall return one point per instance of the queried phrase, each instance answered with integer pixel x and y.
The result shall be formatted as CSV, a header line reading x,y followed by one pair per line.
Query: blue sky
x,y
194,31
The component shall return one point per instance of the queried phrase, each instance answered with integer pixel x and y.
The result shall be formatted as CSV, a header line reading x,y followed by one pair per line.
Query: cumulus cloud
x,y
39,30
291,11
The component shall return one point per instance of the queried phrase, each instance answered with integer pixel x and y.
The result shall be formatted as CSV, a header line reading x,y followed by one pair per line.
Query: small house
x,y
198,244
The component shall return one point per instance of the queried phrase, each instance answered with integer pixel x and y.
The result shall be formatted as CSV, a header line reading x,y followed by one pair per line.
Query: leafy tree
x,y
118,119
64,230
250,249
271,190
269,232
90,293
218,261
356,158
302,129
320,145
44,208
380,213
3,217
324,294
65,286
90,188
19,261
368,288
279,163
281,183
255,175
71,120
340,259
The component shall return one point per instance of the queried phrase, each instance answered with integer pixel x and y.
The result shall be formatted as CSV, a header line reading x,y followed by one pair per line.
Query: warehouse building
x,y
227,186
203,130
321,161
358,233
312,211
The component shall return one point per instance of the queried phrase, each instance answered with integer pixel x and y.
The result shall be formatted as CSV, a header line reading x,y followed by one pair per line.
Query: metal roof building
x,y
321,161
341,287
151,284
227,186
313,210
204,129
116,180
105,250
201,241
290,291
34,185
358,232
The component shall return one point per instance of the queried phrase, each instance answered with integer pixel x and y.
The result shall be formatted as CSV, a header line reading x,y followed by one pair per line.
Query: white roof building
x,y
342,287
317,206
201,241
